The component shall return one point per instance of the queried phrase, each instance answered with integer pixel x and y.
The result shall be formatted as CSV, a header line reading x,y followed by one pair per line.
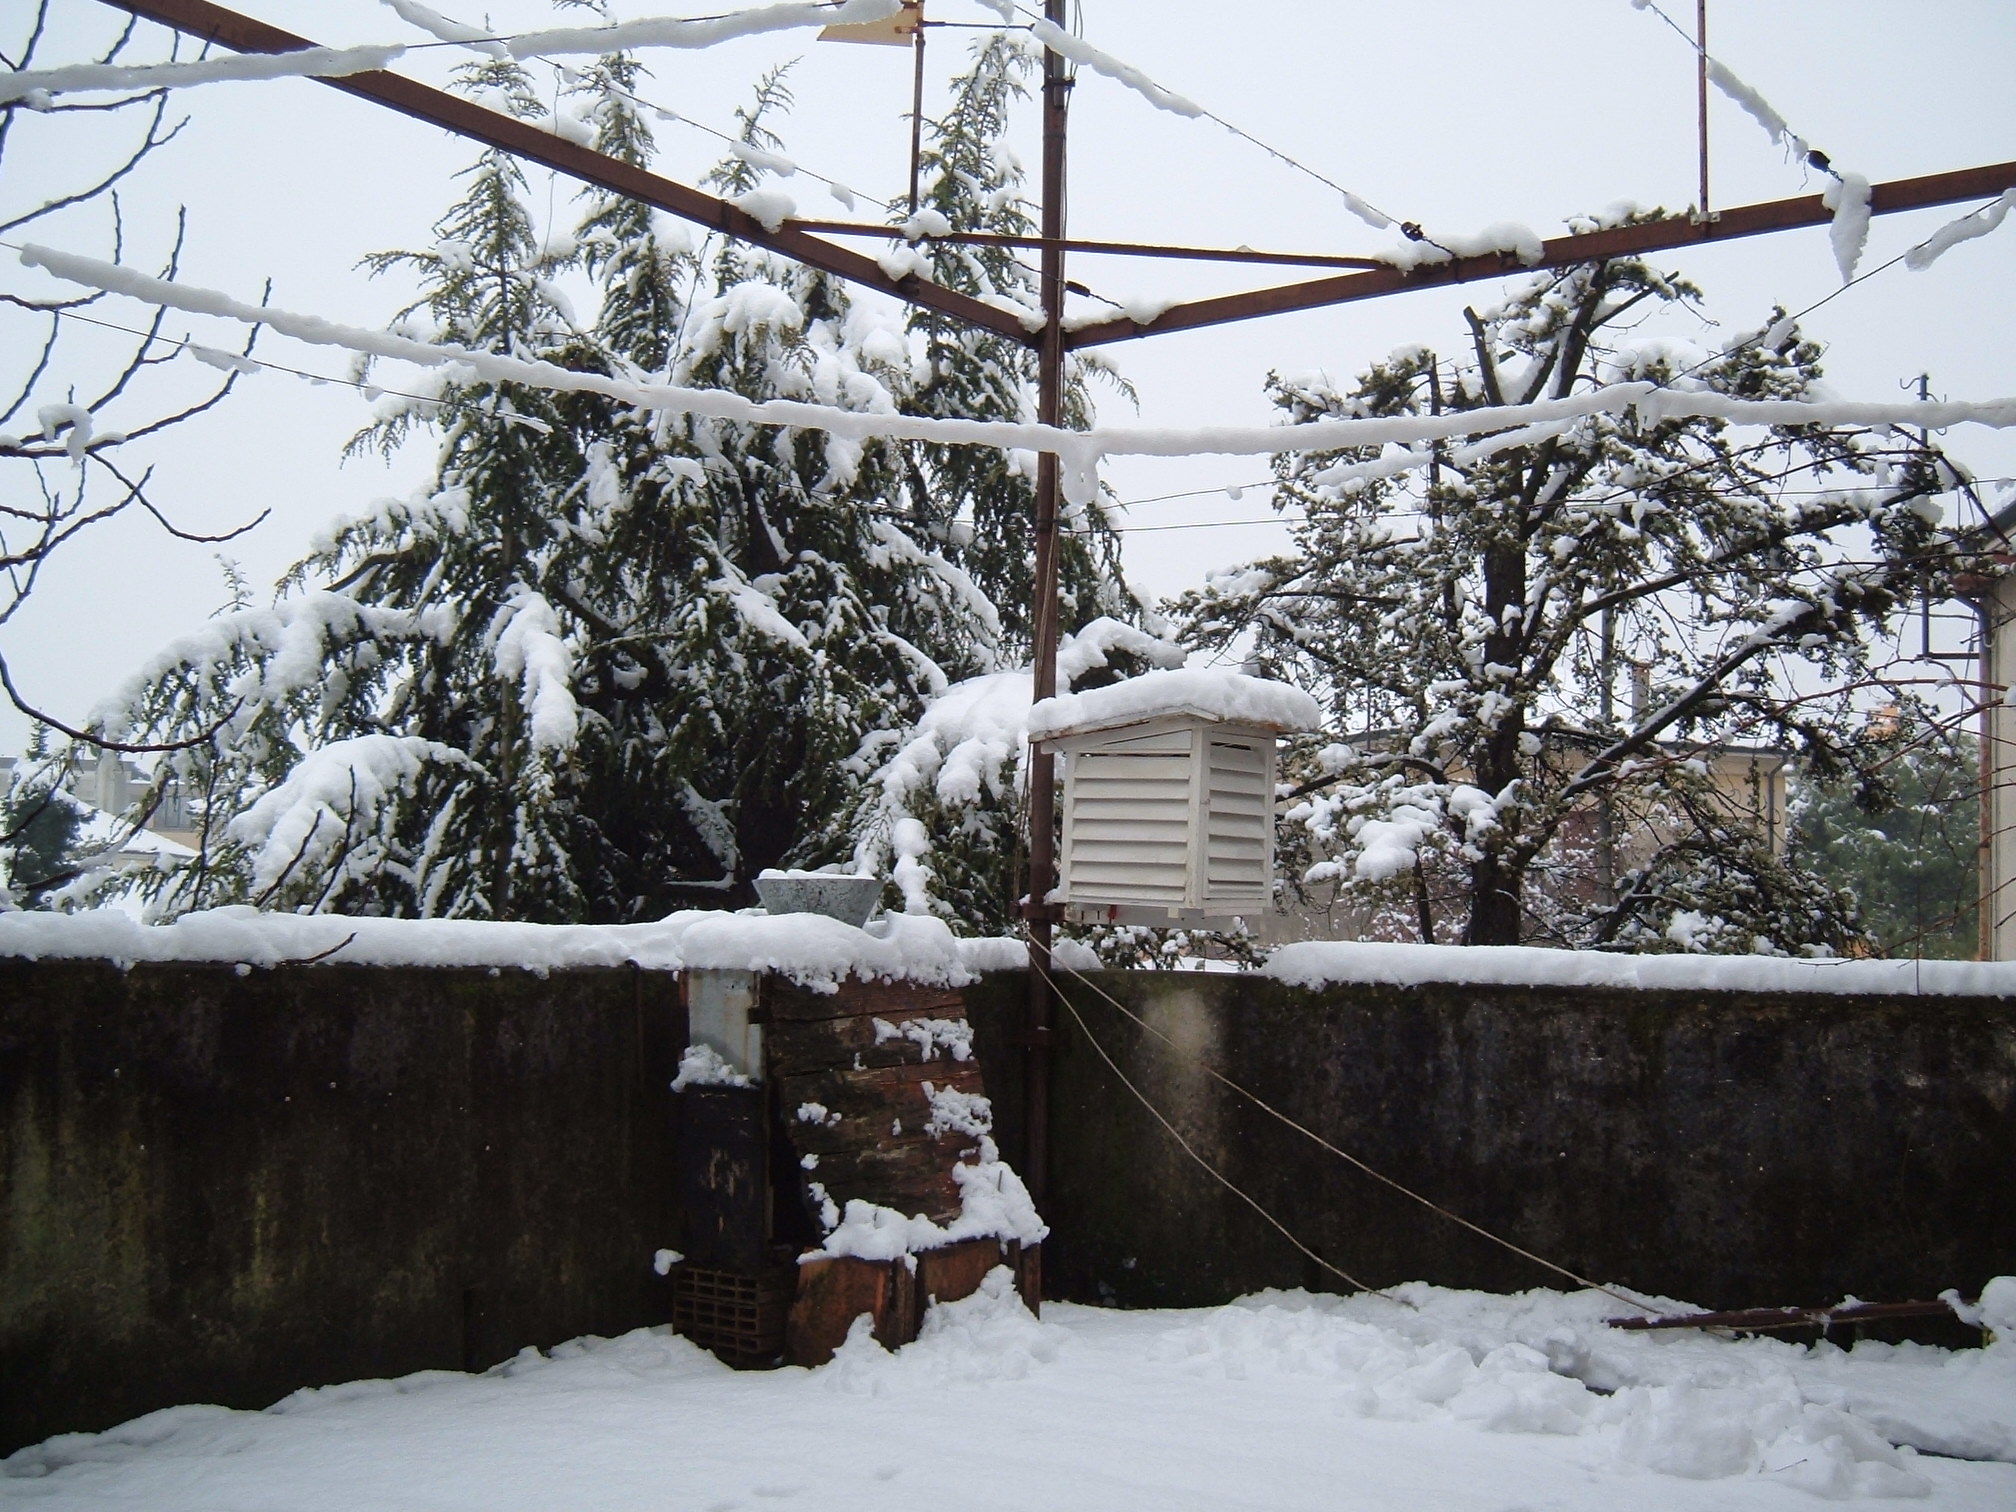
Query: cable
x,y
1353,1160
1191,1150
1357,204
1810,155
236,358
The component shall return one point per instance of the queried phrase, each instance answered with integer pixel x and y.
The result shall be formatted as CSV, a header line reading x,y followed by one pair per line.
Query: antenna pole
x,y
917,106
1039,911
1701,95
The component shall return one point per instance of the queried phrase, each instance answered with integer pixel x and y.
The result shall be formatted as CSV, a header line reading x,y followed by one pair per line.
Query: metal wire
x,y
1191,1150
1308,1133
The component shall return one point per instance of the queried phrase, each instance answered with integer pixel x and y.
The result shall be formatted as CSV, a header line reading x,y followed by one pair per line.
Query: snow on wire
x,y
1847,196
37,85
1079,452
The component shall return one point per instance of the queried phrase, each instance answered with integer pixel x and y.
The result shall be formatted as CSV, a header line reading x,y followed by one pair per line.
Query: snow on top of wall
x,y
1317,963
1206,692
808,948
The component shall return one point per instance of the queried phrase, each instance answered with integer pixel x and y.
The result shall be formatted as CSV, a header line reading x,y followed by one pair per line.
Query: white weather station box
x,y
1169,794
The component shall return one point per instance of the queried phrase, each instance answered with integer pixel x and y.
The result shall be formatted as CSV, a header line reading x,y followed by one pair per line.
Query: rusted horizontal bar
x,y
1619,241
1103,248
213,23
1766,1319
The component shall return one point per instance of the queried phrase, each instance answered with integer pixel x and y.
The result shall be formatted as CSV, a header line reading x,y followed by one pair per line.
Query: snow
x,y
706,31
1443,1401
326,813
1848,197
771,207
702,1066
475,38
993,1202
1317,963
1522,242
1204,692
1954,232
1757,108
1078,451
310,62
930,1035
531,653
1078,50
808,948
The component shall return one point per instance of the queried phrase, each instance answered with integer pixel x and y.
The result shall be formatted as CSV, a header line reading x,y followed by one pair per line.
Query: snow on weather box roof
x,y
1321,963
1200,692
808,948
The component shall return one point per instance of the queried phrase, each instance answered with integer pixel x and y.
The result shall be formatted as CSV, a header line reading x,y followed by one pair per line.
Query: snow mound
x,y
1205,692
1318,963
989,1336
1692,1406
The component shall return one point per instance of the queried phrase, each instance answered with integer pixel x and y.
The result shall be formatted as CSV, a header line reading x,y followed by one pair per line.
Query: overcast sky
x,y
1454,113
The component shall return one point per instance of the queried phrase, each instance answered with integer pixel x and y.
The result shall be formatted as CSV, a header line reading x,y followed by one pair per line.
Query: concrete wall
x,y
222,1187
1723,1148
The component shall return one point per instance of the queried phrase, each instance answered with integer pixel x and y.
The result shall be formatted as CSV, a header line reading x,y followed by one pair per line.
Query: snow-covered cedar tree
x,y
76,410
976,502
398,732
40,827
944,805
610,661
778,603
1909,851
942,809
1533,659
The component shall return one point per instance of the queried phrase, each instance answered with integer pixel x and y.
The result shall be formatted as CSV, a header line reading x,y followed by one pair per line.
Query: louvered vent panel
x,y
1130,822
1238,821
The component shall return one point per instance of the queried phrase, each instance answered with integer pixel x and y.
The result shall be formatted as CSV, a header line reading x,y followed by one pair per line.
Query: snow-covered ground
x,y
1283,1401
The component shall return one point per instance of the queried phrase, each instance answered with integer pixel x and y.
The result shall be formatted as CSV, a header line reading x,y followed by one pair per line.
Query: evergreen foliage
x,y
1470,623
1910,852
978,501
40,826
610,661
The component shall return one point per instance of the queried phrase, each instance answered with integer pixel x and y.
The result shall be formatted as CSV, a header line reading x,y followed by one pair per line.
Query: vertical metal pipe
x,y
917,108
1987,760
1701,93
1043,765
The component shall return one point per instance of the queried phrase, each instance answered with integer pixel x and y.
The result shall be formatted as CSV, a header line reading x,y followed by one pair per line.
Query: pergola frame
x,y
802,241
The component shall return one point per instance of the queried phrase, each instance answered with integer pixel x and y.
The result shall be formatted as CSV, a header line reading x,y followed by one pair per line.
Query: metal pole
x,y
917,111
1701,93
1043,765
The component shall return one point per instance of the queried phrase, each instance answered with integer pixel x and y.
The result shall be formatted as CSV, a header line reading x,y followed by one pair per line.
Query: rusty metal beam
x,y
1621,241
1103,248
213,23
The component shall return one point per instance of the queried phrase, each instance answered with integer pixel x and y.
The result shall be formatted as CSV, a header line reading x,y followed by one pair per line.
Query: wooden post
x,y
1042,765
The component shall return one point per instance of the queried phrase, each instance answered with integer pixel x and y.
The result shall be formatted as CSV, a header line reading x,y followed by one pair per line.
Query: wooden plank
x,y
956,1271
832,1293
784,1000
802,1045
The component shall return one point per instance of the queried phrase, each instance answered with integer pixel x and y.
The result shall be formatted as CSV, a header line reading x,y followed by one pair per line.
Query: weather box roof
x,y
1204,693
